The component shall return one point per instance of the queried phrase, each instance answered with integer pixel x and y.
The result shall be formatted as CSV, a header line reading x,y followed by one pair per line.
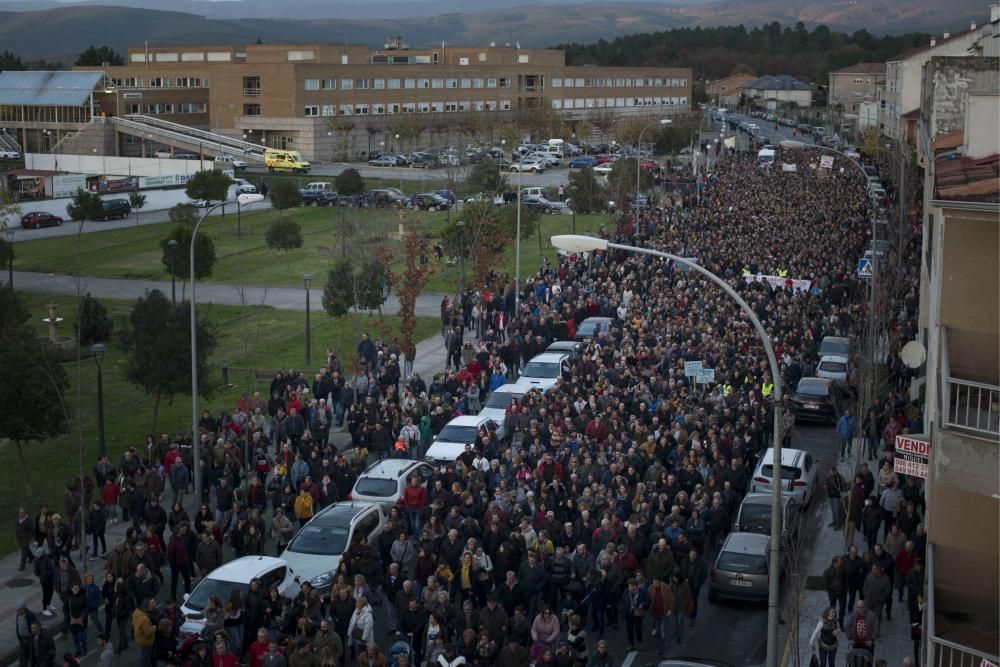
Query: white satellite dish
x,y
913,354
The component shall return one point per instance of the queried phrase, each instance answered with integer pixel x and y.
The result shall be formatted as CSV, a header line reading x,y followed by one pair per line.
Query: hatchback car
x,y
37,219
592,327
497,403
819,399
832,368
754,515
450,443
316,550
384,161
383,482
534,165
543,371
236,575
799,475
582,161
740,570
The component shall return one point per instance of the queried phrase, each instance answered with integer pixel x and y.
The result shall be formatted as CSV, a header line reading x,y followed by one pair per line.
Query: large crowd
x,y
602,506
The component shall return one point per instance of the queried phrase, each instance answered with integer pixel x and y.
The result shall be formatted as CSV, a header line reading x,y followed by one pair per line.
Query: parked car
x,y
315,552
534,165
497,402
799,475
319,197
819,399
7,154
741,569
540,204
603,168
592,327
833,368
236,575
543,371
230,160
422,160
163,154
450,443
754,515
36,219
386,197
115,208
446,194
428,201
383,482
582,161
384,161
242,185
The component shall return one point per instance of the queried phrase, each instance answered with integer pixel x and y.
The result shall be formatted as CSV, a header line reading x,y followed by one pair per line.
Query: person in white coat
x,y
361,629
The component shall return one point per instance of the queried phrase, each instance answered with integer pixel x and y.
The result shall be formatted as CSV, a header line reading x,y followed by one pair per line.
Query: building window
x,y
251,86
393,108
409,83
505,105
463,61
437,107
522,59
482,56
301,55
437,83
425,107
378,84
579,83
466,83
345,110
491,105
312,110
423,83
393,84
557,104
491,83
329,110
378,109
409,107
347,84
251,109
137,108
329,84
478,106
451,83
361,84
505,82
435,58
311,84
557,83
360,109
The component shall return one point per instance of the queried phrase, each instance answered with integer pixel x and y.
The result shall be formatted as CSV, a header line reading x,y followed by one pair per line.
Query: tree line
x,y
714,53
92,57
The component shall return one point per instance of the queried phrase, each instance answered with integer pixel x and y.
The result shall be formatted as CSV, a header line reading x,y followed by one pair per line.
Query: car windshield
x,y
376,486
588,328
833,366
787,472
320,540
213,588
539,369
458,434
813,388
756,519
730,561
500,399
834,348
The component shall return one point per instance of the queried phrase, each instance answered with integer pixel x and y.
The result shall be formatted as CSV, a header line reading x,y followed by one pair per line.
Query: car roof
x,y
788,456
747,543
549,357
341,511
510,388
564,345
467,420
596,319
244,570
838,358
763,499
390,468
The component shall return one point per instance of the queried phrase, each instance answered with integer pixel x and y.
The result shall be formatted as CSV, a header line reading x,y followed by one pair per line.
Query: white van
x,y
765,156
449,444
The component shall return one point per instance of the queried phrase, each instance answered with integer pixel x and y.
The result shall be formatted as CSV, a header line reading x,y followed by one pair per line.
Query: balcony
x,y
251,92
965,636
966,405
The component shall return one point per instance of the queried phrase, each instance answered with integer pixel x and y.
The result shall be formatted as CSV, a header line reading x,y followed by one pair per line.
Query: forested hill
x,y
718,52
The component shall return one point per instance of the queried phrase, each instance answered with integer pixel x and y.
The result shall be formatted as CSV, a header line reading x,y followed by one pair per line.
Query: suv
x,y
450,443
6,154
384,481
115,208
316,550
741,569
592,327
243,185
798,469
428,201
573,348
754,516
543,371
236,163
236,575
385,198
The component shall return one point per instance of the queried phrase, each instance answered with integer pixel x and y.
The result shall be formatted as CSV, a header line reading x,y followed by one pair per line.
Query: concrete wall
x,y
947,82
116,166
982,130
156,200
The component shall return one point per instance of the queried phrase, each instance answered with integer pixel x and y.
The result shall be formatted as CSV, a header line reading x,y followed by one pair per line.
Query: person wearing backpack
x,y
826,638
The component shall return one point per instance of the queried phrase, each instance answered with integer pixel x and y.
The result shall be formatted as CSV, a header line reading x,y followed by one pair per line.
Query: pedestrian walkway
x,y
282,298
893,642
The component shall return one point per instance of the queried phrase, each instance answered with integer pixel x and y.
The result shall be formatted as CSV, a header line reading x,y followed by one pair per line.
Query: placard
x,y
826,162
692,368
912,456
705,376
66,186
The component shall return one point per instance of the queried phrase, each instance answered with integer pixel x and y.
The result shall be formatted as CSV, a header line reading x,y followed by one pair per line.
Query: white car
x,y
6,154
164,154
316,550
604,168
236,575
497,403
799,475
384,481
229,159
243,186
534,165
450,443
832,367
543,371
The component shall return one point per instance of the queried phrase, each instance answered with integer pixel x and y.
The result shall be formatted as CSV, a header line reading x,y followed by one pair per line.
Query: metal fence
x,y
941,652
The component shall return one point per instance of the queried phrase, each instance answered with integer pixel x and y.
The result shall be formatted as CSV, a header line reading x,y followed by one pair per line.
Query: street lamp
x,y
307,280
9,233
461,249
576,243
244,198
638,160
172,244
98,350
517,241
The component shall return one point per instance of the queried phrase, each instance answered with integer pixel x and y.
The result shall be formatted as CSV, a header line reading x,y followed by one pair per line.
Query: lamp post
x,y
245,198
172,244
98,350
9,233
638,156
307,280
461,249
517,240
575,243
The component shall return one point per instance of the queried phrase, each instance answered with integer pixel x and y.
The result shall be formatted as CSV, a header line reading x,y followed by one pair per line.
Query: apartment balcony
x,y
251,92
968,405
960,632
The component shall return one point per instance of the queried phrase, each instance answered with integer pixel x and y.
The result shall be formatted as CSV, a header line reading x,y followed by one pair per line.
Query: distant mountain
x,y
63,32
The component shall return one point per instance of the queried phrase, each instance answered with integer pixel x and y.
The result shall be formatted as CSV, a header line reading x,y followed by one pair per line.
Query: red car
x,y
651,165
602,159
37,219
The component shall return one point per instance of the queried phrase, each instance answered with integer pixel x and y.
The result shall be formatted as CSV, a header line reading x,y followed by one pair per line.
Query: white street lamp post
x,y
638,160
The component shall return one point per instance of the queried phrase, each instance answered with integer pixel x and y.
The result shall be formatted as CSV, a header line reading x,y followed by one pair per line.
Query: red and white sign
x,y
912,455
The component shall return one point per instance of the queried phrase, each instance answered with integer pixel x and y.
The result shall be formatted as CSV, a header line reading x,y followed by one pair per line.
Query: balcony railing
x,y
967,405
251,92
941,652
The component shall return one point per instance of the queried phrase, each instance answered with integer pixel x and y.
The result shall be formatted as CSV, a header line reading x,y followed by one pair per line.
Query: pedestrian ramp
x,y
187,138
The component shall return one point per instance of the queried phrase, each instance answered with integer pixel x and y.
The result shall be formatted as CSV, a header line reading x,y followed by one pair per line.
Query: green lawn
x,y
261,338
135,252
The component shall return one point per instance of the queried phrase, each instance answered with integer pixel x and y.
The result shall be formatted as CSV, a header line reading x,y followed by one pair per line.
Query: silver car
x,y
384,481
741,568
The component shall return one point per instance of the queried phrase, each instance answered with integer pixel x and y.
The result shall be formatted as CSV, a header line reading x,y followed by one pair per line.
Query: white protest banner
x,y
826,162
788,166
691,368
779,282
705,376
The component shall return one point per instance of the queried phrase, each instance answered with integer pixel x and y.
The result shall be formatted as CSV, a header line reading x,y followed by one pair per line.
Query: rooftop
x,y
933,44
48,89
960,178
862,68
777,82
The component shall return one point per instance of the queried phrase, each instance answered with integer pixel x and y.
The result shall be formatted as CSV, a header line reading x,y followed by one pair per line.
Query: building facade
x,y
851,86
726,92
776,92
317,98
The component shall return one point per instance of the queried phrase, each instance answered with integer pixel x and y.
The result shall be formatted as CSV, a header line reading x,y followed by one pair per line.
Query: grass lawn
x,y
261,338
135,252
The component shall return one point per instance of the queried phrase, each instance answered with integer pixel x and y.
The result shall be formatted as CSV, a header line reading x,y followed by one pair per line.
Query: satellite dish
x,y
913,354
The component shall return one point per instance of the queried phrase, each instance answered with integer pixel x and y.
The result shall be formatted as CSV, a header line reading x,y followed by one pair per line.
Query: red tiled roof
x,y
960,178
862,68
950,140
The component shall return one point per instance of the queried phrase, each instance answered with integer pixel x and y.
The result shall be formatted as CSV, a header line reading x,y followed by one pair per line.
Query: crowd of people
x,y
603,505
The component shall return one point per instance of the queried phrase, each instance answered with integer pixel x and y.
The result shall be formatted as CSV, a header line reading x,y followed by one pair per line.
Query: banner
x,y
788,166
167,181
66,186
826,162
692,368
119,184
778,282
912,456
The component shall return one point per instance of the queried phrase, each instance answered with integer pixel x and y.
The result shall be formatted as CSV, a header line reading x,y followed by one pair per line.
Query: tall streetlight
x,y
172,244
517,240
98,350
307,280
244,198
577,243
9,233
461,249
638,157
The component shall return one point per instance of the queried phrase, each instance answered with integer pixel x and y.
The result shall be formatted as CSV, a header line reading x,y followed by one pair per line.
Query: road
x,y
548,178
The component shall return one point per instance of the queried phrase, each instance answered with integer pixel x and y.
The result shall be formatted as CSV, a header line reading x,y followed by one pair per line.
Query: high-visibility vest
x,y
767,389
783,273
727,389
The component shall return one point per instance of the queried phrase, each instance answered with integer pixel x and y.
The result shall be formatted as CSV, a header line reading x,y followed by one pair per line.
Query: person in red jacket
x,y
904,563
414,500
596,429
223,657
258,649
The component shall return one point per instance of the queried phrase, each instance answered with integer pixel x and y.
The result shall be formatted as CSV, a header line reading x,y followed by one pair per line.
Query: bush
x,y
95,324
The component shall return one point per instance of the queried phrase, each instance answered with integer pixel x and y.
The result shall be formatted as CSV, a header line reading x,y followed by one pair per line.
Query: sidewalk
x,y
893,643
16,586
282,298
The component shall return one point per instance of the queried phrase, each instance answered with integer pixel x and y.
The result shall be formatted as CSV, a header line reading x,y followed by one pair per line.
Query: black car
x,y
37,219
819,399
540,204
115,208
445,194
428,201
319,198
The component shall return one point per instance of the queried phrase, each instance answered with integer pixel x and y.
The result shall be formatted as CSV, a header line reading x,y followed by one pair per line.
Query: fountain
x,y
53,323
64,345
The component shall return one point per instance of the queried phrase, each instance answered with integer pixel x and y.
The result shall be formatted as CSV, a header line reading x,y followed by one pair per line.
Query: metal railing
x,y
941,652
217,143
251,92
9,142
965,404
